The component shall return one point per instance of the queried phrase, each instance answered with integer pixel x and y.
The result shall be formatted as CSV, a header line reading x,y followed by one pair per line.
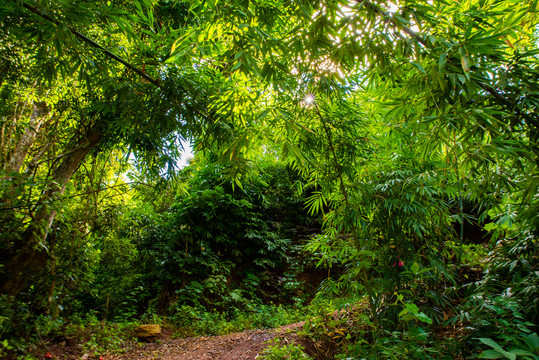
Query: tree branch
x,y
41,202
94,44
377,10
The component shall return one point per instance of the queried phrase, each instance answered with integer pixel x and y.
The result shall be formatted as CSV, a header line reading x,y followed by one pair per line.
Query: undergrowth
x,y
189,321
278,351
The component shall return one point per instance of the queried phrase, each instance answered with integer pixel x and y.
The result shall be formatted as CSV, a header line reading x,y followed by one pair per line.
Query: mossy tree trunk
x,y
31,251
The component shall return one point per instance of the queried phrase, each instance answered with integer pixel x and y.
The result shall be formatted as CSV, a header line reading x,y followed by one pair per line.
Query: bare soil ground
x,y
246,345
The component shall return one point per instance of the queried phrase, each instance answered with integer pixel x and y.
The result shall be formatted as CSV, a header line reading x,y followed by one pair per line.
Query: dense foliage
x,y
394,144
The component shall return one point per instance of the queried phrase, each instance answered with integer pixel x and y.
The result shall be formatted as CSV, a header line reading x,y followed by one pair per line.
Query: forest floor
x,y
246,345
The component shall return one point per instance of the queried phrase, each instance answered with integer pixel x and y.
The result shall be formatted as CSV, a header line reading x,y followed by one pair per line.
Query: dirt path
x,y
246,345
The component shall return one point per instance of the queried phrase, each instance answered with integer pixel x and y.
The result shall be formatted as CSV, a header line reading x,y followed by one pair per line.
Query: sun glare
x,y
308,99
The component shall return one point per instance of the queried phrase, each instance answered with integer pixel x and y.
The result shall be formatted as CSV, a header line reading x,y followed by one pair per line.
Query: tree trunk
x,y
27,139
33,252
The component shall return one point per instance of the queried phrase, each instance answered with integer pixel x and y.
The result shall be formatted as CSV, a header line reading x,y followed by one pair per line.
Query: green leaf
x,y
465,62
521,352
424,318
490,354
441,62
532,341
489,342
415,268
418,66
